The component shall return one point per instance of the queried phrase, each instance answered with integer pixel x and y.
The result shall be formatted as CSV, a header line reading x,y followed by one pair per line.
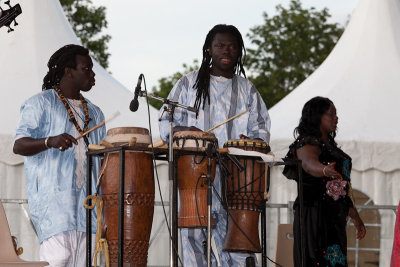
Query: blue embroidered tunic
x,y
56,180
228,97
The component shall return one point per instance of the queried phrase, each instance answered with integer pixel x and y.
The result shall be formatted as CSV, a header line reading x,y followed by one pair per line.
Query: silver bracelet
x,y
323,170
45,142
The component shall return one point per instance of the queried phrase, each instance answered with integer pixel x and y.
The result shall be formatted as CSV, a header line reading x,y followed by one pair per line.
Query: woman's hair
x,y
65,57
203,78
311,115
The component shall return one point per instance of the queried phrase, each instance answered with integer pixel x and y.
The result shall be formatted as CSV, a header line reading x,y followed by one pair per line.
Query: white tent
x,y
361,76
42,30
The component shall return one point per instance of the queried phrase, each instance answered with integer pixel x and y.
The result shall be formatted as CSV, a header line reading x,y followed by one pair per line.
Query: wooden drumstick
x,y
95,147
106,144
228,120
159,143
99,125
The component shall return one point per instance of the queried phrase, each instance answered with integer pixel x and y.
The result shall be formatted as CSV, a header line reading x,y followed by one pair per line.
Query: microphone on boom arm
x,y
135,102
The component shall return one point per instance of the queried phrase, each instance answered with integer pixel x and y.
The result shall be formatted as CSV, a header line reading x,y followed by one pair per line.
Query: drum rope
x,y
204,243
254,194
197,206
101,243
101,173
201,177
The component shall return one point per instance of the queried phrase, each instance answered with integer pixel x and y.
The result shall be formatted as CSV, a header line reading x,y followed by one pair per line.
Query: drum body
x,y
191,171
245,192
138,198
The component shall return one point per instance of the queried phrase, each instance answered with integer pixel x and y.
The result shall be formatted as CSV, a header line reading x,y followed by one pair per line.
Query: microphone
x,y
135,103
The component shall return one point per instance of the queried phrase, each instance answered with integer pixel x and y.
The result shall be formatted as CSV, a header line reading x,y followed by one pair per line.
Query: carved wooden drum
x,y
191,174
138,197
245,194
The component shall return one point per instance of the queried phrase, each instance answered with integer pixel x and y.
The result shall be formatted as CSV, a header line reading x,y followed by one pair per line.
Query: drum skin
x,y
138,205
245,196
192,187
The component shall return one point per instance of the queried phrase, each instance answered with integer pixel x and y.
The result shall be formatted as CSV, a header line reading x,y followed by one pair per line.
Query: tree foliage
x,y
165,84
288,47
285,50
87,22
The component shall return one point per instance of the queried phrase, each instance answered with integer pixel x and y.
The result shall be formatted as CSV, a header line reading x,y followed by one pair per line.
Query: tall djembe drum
x,y
191,174
245,194
138,197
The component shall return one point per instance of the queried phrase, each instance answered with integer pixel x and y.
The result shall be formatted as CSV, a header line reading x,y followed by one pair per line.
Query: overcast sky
x,y
155,37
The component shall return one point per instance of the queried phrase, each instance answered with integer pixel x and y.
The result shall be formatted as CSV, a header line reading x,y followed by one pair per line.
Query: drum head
x,y
124,134
193,139
249,144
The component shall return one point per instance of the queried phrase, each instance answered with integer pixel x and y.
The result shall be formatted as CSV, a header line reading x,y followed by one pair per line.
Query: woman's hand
x,y
329,171
309,156
358,223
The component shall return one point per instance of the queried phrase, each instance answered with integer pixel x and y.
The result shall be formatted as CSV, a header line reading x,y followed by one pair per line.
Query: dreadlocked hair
x,y
202,83
65,57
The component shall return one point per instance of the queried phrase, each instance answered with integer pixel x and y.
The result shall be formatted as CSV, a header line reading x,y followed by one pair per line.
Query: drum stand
x,y
209,203
170,109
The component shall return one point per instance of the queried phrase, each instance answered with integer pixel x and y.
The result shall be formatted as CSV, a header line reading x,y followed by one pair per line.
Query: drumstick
x,y
95,147
157,144
228,120
99,125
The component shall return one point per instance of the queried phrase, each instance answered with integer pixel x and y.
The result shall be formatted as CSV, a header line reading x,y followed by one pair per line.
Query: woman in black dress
x,y
327,194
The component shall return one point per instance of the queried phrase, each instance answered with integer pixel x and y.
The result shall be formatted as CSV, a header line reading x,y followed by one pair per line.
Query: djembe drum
x,y
245,194
191,174
138,197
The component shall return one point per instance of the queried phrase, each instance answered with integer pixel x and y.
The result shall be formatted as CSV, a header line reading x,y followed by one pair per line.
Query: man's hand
x,y
242,136
185,128
62,141
27,146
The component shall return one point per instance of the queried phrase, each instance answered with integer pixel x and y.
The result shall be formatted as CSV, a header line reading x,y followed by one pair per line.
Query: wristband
x,y
45,142
323,171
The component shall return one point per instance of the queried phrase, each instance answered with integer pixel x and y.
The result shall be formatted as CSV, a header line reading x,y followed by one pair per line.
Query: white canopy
x,y
25,52
362,77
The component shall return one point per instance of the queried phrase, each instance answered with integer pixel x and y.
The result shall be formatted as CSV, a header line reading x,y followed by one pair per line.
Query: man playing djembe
x,y
218,92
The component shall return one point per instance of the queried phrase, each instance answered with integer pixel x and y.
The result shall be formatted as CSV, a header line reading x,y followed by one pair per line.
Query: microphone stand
x,y
209,203
172,179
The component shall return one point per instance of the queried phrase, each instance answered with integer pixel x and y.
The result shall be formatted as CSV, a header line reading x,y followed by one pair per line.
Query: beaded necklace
x,y
71,114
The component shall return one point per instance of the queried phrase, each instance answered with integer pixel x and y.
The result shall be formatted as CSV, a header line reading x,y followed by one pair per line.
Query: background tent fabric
x,y
42,30
361,76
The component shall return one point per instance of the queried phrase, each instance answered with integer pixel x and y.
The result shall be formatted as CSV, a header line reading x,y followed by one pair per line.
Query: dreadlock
x,y
65,57
202,83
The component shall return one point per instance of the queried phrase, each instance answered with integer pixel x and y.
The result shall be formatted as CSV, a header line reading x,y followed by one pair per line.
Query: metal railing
x,y
356,249
279,207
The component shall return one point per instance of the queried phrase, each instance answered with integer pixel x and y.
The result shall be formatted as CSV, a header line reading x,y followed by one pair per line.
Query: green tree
x,y
87,22
288,47
165,84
